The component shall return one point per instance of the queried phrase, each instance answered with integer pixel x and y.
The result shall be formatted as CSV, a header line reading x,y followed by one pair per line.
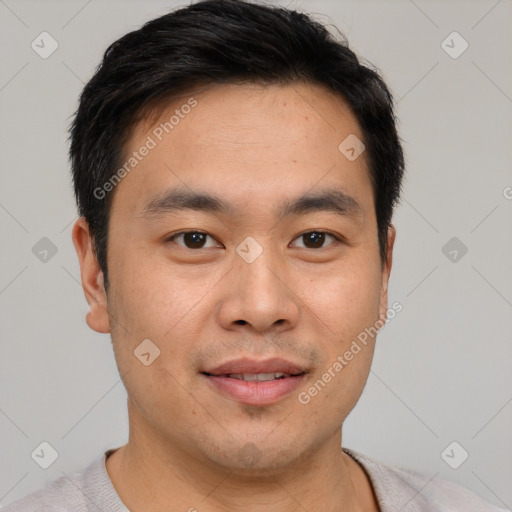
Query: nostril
x,y
240,322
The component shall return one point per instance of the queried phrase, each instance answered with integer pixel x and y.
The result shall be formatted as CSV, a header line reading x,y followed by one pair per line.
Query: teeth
x,y
266,376
261,377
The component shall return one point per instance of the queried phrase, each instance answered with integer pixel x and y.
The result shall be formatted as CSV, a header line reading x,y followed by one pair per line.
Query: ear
x,y
92,278
385,273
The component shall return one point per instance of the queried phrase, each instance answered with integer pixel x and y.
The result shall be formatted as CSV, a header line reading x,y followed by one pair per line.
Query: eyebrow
x,y
329,200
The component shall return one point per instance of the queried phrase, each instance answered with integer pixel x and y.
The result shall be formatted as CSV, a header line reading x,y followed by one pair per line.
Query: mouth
x,y
257,383
257,377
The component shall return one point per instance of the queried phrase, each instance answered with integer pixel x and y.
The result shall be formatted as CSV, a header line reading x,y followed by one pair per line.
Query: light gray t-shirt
x,y
397,489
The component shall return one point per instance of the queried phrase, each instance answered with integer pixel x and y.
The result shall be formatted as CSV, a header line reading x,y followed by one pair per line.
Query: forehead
x,y
247,141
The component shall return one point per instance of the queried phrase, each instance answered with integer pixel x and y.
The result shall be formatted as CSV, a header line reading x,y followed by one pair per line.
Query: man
x,y
236,171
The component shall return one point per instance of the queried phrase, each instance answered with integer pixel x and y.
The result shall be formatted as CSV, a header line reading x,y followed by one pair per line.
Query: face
x,y
243,248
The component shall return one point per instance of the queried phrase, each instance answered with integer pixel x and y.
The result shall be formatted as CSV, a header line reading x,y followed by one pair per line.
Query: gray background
x,y
442,369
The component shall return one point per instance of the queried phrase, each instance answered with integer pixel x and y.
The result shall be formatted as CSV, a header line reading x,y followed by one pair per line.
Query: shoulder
x,y
73,493
57,496
399,488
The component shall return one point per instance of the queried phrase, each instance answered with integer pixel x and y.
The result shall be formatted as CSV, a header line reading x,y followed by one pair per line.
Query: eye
x,y
315,239
192,239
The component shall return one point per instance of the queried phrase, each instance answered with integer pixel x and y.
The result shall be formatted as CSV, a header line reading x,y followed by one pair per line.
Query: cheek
x,y
335,394
151,297
149,304
344,299
345,304
151,300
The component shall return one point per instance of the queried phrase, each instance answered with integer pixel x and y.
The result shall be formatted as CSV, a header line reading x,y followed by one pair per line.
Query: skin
x,y
252,146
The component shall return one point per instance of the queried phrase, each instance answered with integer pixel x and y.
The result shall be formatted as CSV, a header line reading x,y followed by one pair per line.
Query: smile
x,y
256,383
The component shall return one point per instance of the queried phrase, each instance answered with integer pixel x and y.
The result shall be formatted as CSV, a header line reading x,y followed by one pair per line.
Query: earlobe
x,y
92,278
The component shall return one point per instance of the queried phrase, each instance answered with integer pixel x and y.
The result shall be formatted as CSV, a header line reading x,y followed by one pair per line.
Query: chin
x,y
251,454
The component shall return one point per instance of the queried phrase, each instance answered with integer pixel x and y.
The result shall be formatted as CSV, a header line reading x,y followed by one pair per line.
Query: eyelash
x,y
337,238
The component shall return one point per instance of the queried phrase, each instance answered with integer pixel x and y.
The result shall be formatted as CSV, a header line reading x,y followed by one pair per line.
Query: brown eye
x,y
315,239
192,239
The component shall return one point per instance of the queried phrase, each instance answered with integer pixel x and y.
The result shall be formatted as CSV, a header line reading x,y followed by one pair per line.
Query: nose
x,y
259,295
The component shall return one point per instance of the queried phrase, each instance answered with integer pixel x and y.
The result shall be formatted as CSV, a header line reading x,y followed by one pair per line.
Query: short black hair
x,y
217,42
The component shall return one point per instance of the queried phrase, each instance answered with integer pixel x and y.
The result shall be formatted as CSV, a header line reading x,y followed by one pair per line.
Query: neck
x,y
149,474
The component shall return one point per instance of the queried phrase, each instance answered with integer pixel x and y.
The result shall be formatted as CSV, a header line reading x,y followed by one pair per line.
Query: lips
x,y
254,382
250,366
